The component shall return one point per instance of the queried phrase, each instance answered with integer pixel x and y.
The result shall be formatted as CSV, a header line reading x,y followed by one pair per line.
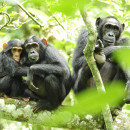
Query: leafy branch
x,y
34,19
4,13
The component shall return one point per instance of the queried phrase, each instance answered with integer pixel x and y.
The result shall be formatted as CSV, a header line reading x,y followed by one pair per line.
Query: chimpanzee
x,y
109,31
11,73
82,77
49,75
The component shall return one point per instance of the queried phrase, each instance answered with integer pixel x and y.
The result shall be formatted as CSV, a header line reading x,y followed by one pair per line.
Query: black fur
x,y
109,70
50,74
11,82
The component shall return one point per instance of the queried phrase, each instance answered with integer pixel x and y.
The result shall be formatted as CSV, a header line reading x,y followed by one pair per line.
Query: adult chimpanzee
x,y
11,73
109,31
49,75
82,77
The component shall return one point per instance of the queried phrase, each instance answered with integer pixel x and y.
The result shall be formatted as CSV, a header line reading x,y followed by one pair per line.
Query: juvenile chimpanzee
x,y
49,75
109,31
11,73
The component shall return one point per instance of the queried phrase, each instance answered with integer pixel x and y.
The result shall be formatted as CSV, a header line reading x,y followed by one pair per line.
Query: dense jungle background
x,y
59,22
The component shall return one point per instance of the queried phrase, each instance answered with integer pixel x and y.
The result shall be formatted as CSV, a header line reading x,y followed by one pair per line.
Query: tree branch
x,y
18,110
7,22
58,22
21,6
88,52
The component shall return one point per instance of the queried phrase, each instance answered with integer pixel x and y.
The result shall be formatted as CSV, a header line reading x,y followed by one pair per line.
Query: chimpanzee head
x,y
15,48
109,30
34,48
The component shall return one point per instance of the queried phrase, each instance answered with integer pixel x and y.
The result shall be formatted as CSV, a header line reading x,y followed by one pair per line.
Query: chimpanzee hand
x,y
99,53
30,81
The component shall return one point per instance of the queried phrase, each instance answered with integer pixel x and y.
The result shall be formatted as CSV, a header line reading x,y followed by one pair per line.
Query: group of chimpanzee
x,y
48,76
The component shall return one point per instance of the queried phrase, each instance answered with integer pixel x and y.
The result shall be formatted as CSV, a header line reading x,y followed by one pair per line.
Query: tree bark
x,y
22,111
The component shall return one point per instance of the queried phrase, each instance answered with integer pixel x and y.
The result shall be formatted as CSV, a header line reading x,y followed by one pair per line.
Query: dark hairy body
x,y
109,31
11,72
49,75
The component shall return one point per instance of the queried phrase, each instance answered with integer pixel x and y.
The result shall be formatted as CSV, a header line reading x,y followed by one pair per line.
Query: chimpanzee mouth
x,y
33,59
108,42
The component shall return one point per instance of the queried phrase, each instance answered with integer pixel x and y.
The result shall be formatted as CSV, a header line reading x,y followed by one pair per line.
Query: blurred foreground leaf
x,y
90,102
3,33
126,109
68,7
122,57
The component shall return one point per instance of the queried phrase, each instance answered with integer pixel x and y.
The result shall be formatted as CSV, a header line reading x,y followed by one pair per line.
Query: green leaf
x,y
68,7
40,14
90,102
122,57
34,26
37,2
2,33
126,109
13,13
2,9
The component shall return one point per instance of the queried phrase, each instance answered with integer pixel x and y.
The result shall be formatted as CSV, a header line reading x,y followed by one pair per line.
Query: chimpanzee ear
x,y
123,26
4,45
44,41
98,21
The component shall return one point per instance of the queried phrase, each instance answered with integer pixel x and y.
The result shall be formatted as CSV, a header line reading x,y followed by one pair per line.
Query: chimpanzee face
x,y
16,52
110,30
32,50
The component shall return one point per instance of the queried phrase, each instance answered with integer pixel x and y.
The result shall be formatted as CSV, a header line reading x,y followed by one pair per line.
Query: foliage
x,y
62,22
90,102
45,11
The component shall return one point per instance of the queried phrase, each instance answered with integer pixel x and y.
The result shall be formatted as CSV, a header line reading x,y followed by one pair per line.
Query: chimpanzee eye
x,y
14,49
116,28
108,26
28,47
34,45
19,50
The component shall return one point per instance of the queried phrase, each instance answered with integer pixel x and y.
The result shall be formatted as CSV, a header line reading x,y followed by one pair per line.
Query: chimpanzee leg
x,y
29,94
16,88
52,88
81,82
5,84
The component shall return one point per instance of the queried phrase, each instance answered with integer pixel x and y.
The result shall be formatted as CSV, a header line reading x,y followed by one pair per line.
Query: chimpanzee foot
x,y
43,105
37,108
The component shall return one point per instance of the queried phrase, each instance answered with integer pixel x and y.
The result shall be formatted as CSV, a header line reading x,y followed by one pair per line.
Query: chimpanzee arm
x,y
40,69
78,58
83,76
47,69
21,71
5,83
79,62
110,49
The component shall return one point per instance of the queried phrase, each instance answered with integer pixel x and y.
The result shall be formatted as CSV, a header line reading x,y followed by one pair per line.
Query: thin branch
x,y
58,22
21,6
7,22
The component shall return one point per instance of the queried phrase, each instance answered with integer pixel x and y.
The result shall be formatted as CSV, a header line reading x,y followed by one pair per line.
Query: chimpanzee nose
x,y
16,55
32,51
110,35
